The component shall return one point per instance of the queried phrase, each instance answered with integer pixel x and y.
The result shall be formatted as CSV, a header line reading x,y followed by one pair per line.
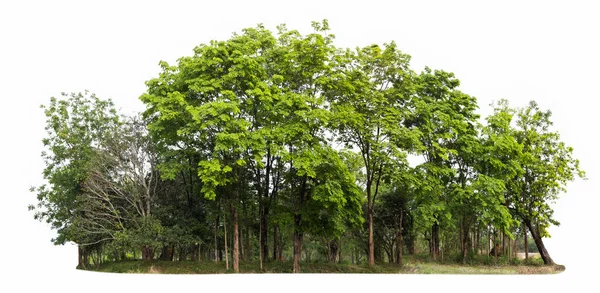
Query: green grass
x,y
412,265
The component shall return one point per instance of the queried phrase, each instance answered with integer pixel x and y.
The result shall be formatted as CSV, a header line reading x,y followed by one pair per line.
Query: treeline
x,y
276,147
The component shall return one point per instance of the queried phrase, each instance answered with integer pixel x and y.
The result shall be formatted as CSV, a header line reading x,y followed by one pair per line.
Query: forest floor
x,y
411,266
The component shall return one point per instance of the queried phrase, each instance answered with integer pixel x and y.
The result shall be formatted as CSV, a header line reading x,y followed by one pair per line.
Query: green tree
x,y
210,101
443,118
367,95
547,165
75,125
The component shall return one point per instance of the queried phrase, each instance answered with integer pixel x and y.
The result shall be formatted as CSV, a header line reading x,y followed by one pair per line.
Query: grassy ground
x,y
411,266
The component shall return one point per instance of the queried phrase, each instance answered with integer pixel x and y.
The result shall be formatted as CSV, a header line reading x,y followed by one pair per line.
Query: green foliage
x,y
534,163
74,125
285,133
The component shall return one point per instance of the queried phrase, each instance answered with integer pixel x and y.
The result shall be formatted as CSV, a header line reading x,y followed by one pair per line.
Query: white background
x,y
519,50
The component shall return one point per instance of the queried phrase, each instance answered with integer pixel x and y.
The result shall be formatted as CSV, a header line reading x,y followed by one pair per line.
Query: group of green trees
x,y
262,145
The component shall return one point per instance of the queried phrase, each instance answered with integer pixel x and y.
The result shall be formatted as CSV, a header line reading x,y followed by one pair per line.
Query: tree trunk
x,y
540,244
503,244
298,236
264,234
430,243
225,241
489,241
441,252
147,253
435,241
464,239
460,237
339,260
275,246
495,246
399,240
514,250
247,244
525,242
389,251
241,241
371,240
477,240
509,248
236,240
82,257
167,253
216,247
260,237
333,250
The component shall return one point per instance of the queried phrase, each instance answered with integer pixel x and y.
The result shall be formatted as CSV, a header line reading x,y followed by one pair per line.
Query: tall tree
x,y
547,165
74,124
214,98
441,117
367,96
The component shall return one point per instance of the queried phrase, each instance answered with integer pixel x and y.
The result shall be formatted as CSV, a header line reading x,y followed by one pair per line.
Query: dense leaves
x,y
286,138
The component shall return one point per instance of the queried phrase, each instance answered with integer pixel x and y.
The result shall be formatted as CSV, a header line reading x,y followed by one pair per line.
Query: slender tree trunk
x,y
495,246
247,244
225,241
333,249
477,240
540,244
441,252
503,244
515,248
215,233
275,242
399,240
435,241
371,243
339,260
472,238
464,230
509,249
264,234
430,243
489,241
82,256
371,240
236,240
298,236
260,238
298,233
460,237
525,242
241,242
